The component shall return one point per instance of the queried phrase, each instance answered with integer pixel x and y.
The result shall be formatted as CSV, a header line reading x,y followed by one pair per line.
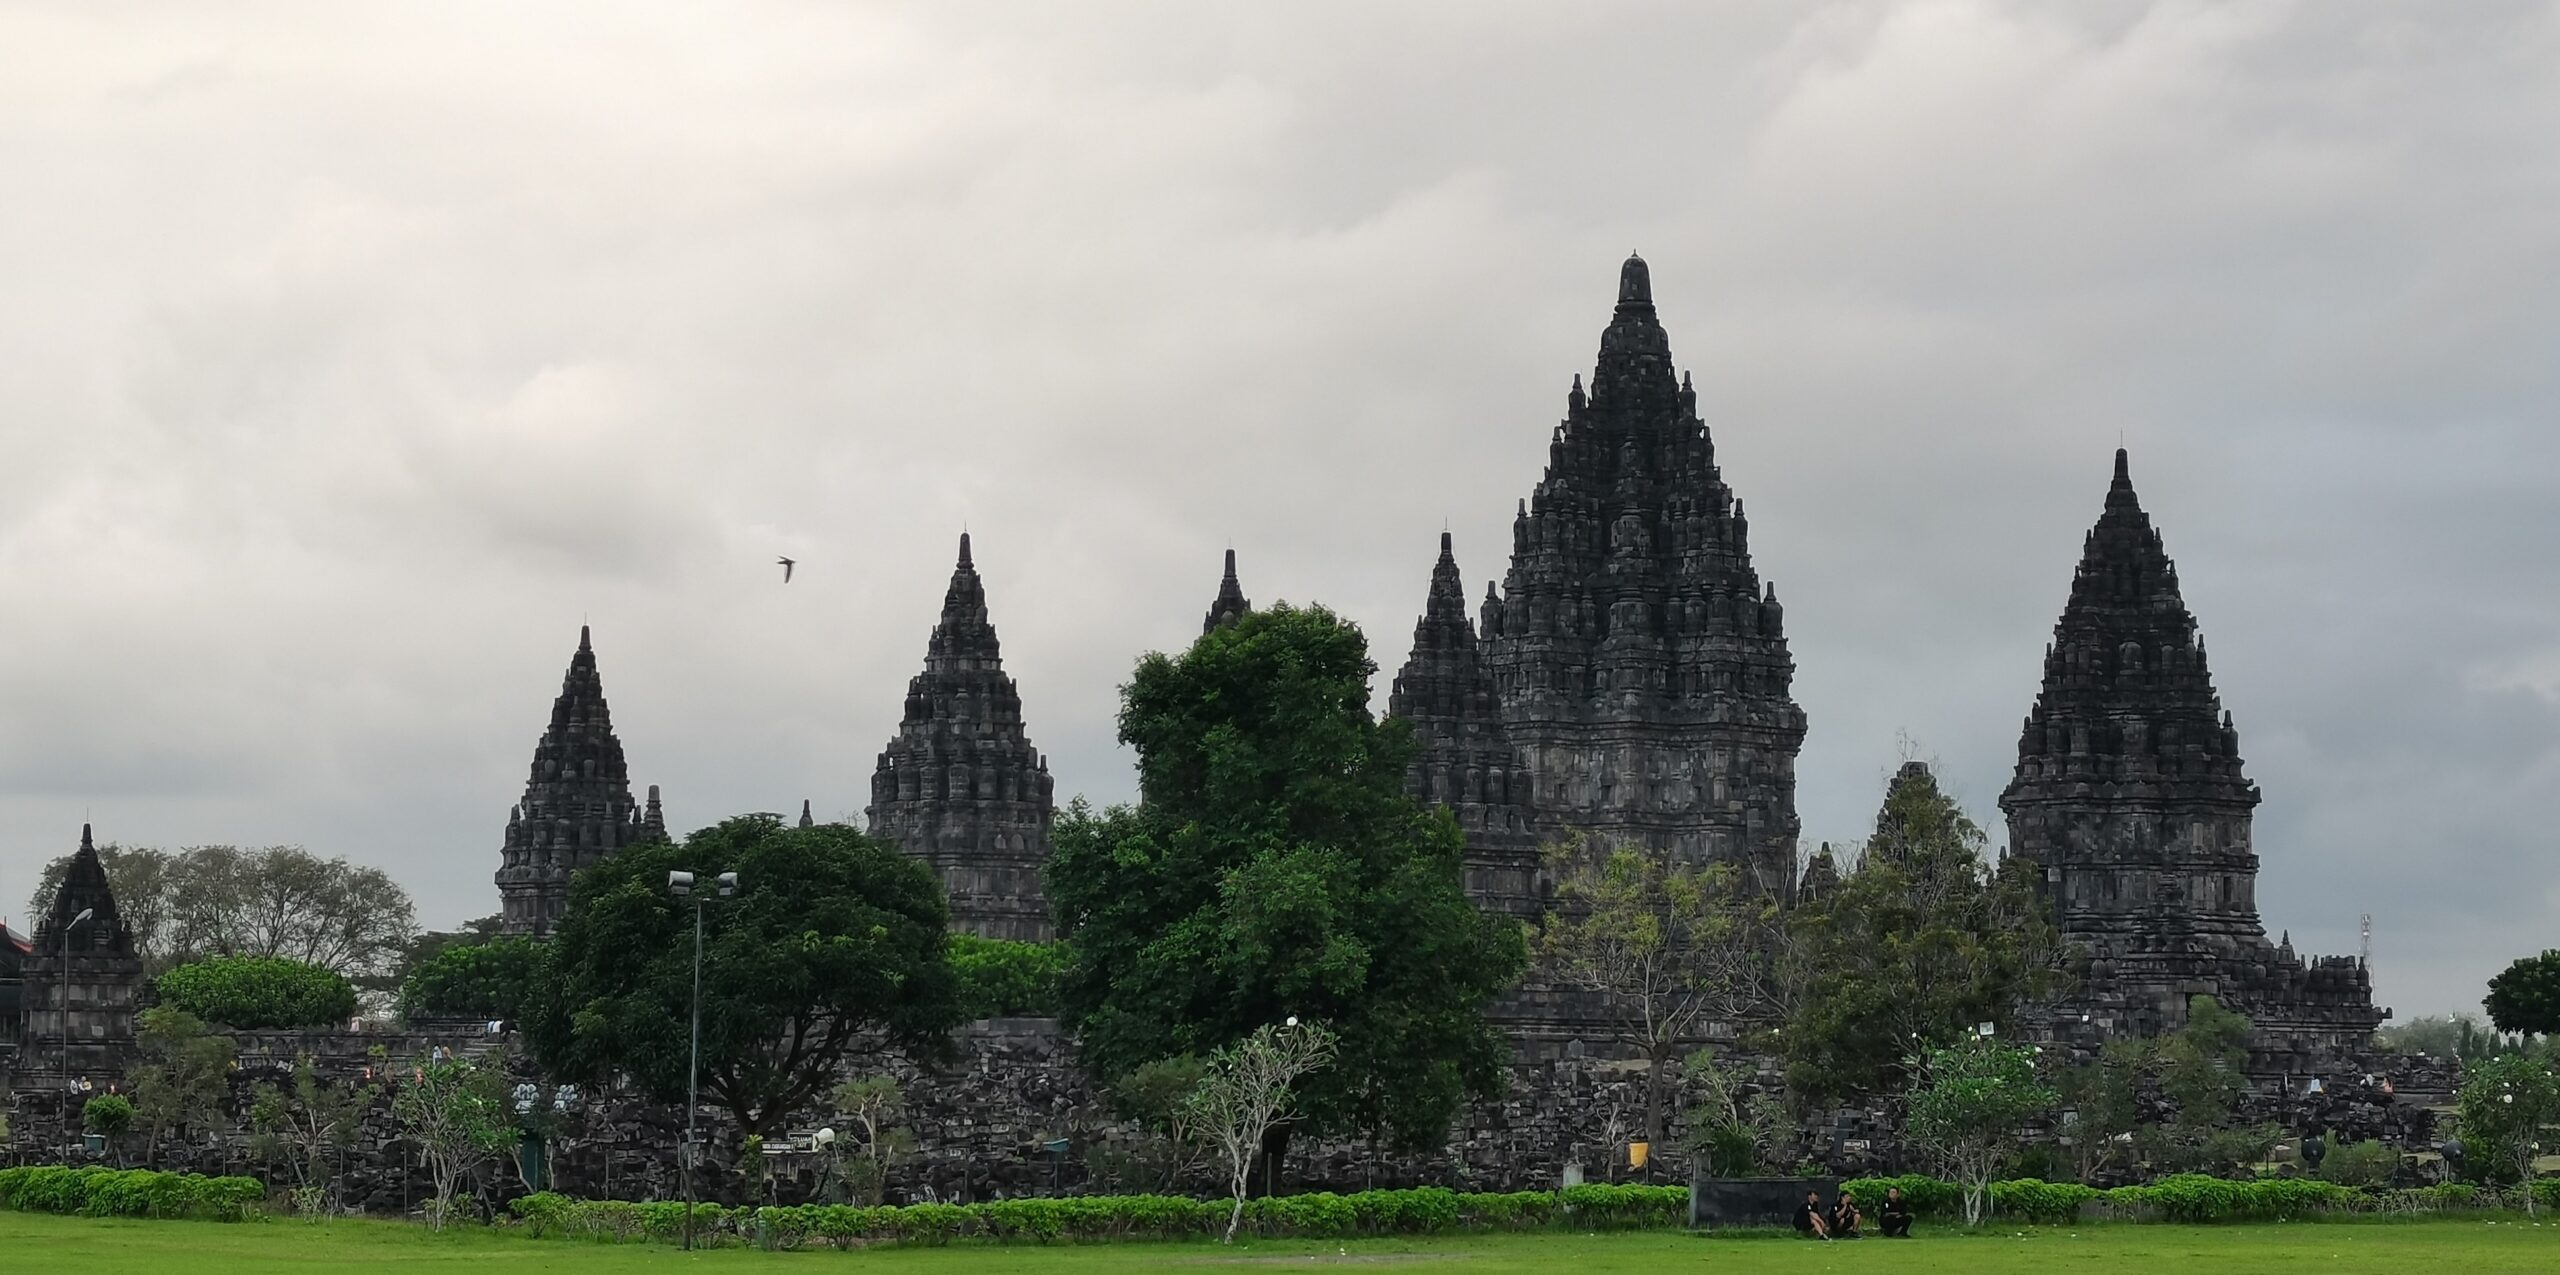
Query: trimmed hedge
x,y
255,992
1315,1215
2187,1197
128,1193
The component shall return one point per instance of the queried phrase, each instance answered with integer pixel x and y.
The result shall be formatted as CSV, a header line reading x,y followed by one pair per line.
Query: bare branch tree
x,y
1248,1092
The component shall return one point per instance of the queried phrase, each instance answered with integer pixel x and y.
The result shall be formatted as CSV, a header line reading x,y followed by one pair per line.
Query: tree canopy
x,y
1670,947
2525,996
834,943
273,901
487,979
1275,866
252,992
1920,942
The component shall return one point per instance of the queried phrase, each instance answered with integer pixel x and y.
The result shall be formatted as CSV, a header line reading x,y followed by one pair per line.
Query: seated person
x,y
1810,1223
1844,1218
1896,1215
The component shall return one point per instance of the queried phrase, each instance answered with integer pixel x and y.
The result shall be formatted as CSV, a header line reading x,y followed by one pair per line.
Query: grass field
x,y
81,1246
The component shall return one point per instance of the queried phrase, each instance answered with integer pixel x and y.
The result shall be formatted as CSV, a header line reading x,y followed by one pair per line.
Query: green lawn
x,y
80,1246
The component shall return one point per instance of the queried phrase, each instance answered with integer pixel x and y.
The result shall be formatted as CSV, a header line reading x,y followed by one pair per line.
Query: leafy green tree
x,y
1971,1108
1920,942
271,901
1669,947
873,1103
2204,1066
2101,1104
108,1115
182,1080
1155,1096
2460,1036
835,944
253,992
2505,1112
455,1109
1002,978
2525,996
1276,866
489,979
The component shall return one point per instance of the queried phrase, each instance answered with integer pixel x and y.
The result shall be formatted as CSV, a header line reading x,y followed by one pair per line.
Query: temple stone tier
x,y
2131,797
1464,758
960,786
577,805
1640,663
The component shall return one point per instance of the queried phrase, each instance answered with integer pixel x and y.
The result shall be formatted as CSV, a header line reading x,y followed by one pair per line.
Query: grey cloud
x,y
353,361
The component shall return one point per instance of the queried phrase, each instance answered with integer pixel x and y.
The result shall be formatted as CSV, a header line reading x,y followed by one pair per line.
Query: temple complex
x,y
960,786
2130,794
577,805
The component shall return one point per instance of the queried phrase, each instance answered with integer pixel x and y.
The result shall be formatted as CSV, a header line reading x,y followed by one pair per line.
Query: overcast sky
x,y
351,356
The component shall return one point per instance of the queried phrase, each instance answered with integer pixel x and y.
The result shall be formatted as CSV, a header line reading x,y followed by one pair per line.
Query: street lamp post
x,y
681,885
62,994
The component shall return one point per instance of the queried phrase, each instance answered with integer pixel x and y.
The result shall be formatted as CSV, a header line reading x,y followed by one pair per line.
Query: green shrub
x,y
1003,978
483,980
1597,1207
128,1193
543,1212
2360,1164
2193,1197
2034,1200
252,992
107,1115
1927,1196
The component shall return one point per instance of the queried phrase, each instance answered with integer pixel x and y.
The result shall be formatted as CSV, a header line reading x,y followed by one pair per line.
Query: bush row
x,y
2188,1197
128,1193
1315,1215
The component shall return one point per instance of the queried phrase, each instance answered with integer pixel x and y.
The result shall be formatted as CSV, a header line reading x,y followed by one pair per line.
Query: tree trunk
x,y
1660,1059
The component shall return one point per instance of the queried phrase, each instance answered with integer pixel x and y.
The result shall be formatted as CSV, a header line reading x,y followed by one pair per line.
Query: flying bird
x,y
786,569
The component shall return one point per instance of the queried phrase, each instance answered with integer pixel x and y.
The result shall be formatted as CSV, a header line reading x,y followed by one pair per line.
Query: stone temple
x,y
2130,794
960,786
577,805
1630,679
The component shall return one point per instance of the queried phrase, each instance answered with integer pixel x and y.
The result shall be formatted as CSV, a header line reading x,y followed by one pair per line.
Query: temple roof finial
x,y
964,549
805,820
585,639
1635,282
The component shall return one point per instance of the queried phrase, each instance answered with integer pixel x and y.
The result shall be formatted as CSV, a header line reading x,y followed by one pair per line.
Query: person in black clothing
x,y
1844,1218
1809,1220
1896,1216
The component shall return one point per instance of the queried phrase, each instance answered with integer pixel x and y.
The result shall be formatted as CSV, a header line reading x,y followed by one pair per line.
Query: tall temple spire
x,y
1230,605
76,992
84,888
2131,798
1464,759
577,805
960,785
1642,669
